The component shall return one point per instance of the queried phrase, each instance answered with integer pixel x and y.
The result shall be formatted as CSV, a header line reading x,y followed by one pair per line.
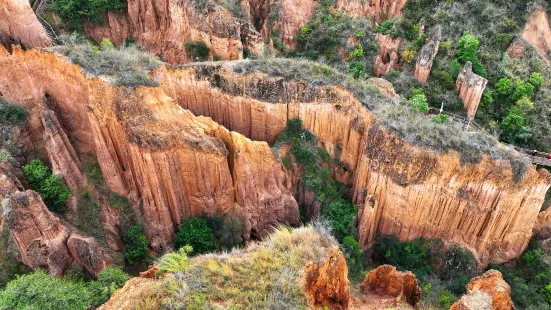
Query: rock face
x,y
470,88
283,18
425,58
38,234
537,32
152,151
328,285
132,293
492,285
388,57
165,26
18,21
385,280
382,10
87,253
401,190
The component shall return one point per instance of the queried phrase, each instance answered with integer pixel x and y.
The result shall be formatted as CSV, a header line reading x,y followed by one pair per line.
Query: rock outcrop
x,y
425,58
382,10
401,190
388,57
18,21
283,18
537,32
328,285
133,295
167,161
165,26
386,281
489,287
470,87
38,234
86,252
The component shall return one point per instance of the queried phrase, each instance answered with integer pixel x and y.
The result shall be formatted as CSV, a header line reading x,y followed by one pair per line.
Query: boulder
x,y
492,285
86,253
387,281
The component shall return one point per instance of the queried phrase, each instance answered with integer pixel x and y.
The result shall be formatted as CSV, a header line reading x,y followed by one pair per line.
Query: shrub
x,y
455,68
351,250
445,299
458,284
408,56
536,79
195,233
49,186
342,216
39,290
109,280
36,172
176,261
412,255
458,261
357,70
135,245
467,49
440,119
419,103
11,114
357,52
197,51
54,193
75,12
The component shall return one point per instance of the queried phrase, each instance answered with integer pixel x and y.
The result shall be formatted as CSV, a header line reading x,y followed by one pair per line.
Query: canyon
x,y
172,163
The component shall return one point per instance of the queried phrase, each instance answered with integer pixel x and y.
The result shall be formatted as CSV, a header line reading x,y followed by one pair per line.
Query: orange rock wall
x,y
165,26
401,190
537,32
18,21
169,162
382,10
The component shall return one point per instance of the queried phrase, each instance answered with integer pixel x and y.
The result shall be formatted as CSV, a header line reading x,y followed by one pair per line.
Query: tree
x,y
36,172
536,79
515,128
467,49
195,233
75,12
351,250
54,193
39,290
135,244
504,87
419,103
342,217
49,186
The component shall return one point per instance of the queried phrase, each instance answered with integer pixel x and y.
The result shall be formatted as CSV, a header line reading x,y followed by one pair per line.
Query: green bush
x,y
418,102
135,245
38,290
54,193
413,255
342,217
445,299
351,250
440,119
75,12
49,186
197,51
195,233
175,262
11,114
357,70
458,261
536,79
109,280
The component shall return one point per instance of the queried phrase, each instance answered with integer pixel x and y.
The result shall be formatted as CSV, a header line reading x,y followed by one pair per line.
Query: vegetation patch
x,y
76,12
11,114
128,65
49,186
135,245
264,276
39,290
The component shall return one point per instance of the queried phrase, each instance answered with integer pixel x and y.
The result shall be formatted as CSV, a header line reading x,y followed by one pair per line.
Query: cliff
x,y
167,161
537,32
18,21
382,10
401,190
386,281
470,88
164,27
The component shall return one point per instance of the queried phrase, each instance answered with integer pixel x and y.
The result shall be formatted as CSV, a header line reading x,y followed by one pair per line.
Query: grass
x,y
406,123
127,65
264,276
